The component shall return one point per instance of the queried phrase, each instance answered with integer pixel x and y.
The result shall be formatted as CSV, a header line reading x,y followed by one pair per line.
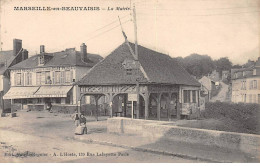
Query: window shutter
x,y
53,77
22,79
15,79
26,77
71,78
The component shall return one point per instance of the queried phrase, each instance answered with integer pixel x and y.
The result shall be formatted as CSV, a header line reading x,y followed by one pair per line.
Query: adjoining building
x,y
207,87
8,59
246,84
166,90
49,78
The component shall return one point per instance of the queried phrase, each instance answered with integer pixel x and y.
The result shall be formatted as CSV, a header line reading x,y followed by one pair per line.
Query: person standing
x,y
76,120
83,122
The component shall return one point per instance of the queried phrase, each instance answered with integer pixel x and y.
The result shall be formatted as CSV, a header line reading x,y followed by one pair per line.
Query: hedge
x,y
244,117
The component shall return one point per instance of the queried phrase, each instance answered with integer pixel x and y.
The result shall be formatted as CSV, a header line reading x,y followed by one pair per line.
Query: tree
x,y
197,65
223,64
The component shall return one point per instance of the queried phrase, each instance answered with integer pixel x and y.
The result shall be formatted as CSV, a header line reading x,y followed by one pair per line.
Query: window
x,y
67,100
194,96
254,84
38,78
57,100
17,101
245,98
254,98
42,78
186,96
57,77
62,75
30,101
258,98
41,60
128,71
28,78
251,85
250,98
243,87
39,100
67,77
254,72
47,77
18,79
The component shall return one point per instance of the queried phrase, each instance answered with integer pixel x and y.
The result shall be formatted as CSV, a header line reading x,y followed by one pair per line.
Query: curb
x,y
150,150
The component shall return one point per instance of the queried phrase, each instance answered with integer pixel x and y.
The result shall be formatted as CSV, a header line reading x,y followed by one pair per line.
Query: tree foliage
x,y
202,65
223,64
197,65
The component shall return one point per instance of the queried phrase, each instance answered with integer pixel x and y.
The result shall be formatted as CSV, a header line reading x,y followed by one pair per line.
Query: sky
x,y
218,28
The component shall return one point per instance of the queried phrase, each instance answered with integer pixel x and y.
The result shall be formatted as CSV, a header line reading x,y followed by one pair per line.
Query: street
x,y
44,137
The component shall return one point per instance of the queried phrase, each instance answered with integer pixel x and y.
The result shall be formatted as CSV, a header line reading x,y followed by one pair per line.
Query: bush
x,y
242,117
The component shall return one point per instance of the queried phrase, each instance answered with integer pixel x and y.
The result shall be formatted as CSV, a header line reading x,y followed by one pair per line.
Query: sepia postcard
x,y
129,81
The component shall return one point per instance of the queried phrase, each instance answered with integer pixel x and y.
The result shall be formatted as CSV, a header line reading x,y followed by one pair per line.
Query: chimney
x,y
42,48
17,46
24,54
83,51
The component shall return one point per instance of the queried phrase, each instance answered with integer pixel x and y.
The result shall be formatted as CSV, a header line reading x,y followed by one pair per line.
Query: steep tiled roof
x,y
69,57
5,57
158,68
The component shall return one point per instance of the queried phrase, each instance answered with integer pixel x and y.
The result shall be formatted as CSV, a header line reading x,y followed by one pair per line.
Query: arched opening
x,y
93,105
122,107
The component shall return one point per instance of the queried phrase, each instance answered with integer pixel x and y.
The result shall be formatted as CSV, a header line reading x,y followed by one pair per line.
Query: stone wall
x,y
247,143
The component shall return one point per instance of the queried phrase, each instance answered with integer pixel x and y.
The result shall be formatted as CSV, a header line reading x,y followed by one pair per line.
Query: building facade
x,y
246,84
49,78
7,60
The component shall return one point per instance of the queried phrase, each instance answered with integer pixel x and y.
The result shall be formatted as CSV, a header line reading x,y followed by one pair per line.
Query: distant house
x,y
225,74
49,78
207,86
215,76
166,90
246,84
8,59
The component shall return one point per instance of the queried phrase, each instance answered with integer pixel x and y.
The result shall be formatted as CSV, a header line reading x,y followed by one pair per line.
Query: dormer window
x,y
254,72
41,60
244,73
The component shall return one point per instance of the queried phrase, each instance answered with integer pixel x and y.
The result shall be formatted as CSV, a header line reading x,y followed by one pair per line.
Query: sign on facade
x,y
132,97
87,98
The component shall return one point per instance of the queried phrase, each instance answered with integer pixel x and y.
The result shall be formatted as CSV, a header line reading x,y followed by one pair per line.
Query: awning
x,y
20,92
52,91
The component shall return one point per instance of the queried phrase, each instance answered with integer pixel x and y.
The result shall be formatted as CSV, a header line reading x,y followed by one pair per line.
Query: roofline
x,y
252,76
147,83
13,68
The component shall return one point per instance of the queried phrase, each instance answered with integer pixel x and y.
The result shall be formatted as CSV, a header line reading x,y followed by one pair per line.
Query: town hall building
x,y
166,90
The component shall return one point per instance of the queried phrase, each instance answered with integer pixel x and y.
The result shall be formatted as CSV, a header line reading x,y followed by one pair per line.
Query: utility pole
x,y
137,63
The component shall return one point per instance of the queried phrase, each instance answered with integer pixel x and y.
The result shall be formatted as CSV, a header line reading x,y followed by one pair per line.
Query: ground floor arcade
x,y
161,102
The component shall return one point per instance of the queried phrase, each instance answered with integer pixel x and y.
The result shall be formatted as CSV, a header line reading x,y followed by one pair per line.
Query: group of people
x,y
80,123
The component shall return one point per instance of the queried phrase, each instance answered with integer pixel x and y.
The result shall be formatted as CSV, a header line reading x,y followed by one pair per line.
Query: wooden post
x,y
96,100
138,99
125,104
178,106
132,110
110,102
168,100
146,106
159,106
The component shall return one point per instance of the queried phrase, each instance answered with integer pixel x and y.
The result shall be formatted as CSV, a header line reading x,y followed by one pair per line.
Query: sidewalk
x,y
184,150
